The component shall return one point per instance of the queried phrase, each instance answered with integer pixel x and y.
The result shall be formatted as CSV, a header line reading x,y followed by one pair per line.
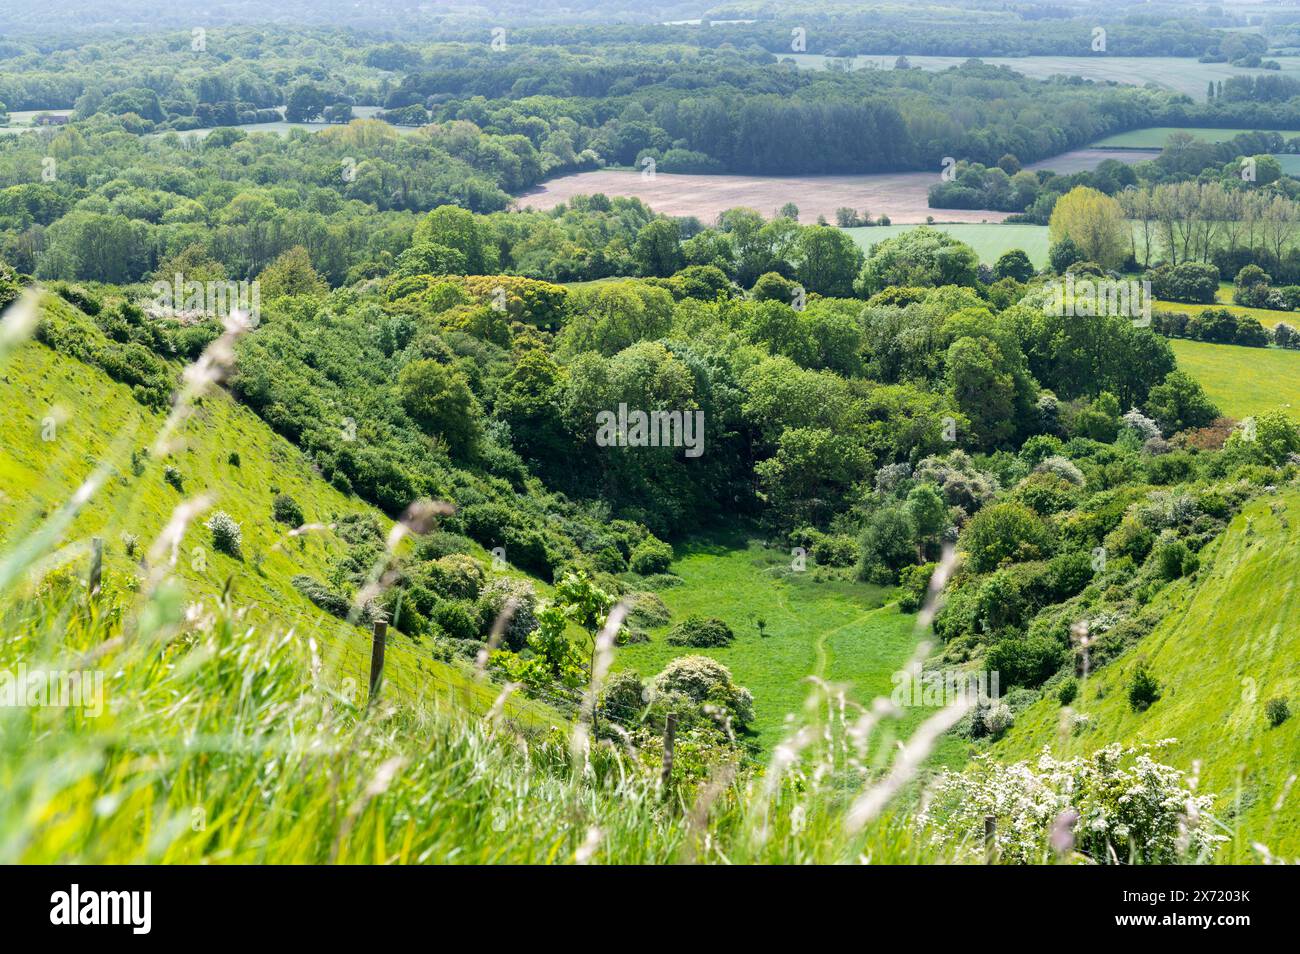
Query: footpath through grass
x,y
836,629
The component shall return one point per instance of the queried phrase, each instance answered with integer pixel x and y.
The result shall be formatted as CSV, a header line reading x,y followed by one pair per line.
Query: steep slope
x,y
1228,643
63,417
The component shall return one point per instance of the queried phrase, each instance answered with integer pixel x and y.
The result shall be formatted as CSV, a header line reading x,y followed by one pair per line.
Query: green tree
x,y
826,261
438,397
658,250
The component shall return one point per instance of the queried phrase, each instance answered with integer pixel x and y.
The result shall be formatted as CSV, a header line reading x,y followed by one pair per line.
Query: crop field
x,y
1180,73
1243,381
903,196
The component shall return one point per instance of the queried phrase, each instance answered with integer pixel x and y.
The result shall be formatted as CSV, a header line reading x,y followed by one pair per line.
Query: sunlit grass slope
x,y
1229,642
62,417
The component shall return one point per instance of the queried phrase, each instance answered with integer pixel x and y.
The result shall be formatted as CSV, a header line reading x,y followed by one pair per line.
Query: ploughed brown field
x,y
899,195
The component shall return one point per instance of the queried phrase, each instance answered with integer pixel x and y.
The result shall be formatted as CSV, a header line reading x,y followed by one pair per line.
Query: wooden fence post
x,y
670,734
990,838
377,658
96,565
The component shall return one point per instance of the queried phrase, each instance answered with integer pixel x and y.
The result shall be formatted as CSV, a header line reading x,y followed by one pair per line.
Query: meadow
x,y
989,240
1243,381
1155,137
817,624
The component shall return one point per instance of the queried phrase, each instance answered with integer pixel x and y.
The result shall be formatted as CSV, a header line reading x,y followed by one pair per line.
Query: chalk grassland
x,y
832,629
1227,643
1180,73
90,418
1243,381
903,196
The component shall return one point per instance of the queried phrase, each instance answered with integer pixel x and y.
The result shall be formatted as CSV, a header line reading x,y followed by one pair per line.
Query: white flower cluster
x,y
226,535
1118,805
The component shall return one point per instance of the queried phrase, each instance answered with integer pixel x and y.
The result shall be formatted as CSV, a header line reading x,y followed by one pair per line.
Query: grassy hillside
x,y
1228,643
1243,381
89,418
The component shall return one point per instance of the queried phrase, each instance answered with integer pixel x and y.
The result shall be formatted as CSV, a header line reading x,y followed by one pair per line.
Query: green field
x,y
835,629
1226,644
1181,73
1155,137
1243,381
988,239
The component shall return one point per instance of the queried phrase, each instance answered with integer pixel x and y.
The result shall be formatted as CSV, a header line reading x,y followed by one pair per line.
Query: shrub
x,y
173,476
1277,711
913,584
647,610
1143,689
492,602
706,681
233,460
284,509
227,538
1024,661
651,556
1127,804
997,719
623,697
1173,560
1007,532
701,632
130,544
456,576
456,619
835,550
331,601
1068,692
440,543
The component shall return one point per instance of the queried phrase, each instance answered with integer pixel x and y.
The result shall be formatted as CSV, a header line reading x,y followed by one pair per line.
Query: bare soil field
x,y
900,195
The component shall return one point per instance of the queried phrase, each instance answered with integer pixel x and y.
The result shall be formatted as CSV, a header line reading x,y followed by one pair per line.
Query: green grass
x,y
1155,137
989,240
94,418
835,629
1224,648
1243,381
